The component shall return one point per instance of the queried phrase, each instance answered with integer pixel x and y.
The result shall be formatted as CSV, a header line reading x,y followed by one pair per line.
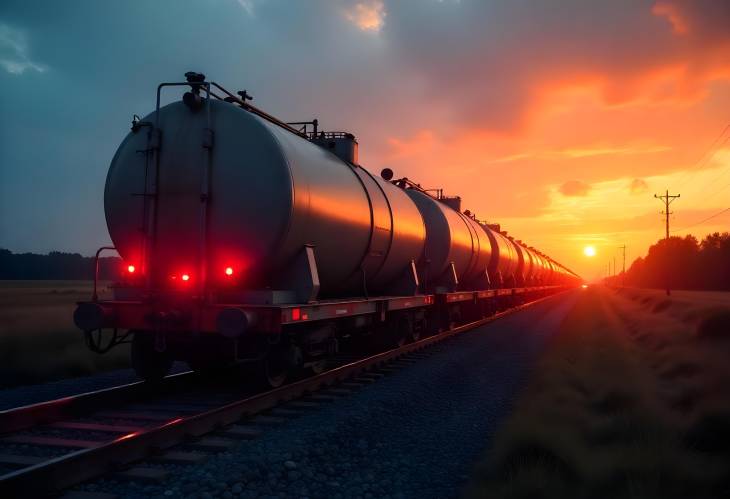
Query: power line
x,y
702,221
702,160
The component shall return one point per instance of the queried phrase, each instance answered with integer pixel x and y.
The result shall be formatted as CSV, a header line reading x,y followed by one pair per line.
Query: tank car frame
x,y
466,271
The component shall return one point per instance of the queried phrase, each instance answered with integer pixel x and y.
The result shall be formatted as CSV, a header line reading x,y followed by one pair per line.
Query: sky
x,y
558,119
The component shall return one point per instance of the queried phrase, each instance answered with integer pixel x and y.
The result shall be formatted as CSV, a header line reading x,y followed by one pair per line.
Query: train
x,y
252,241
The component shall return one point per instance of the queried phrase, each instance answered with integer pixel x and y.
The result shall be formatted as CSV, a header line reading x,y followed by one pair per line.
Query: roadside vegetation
x,y
38,340
630,400
704,264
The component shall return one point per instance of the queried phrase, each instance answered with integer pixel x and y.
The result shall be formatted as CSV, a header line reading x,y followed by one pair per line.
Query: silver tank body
x,y
504,262
523,264
450,237
271,193
530,264
540,272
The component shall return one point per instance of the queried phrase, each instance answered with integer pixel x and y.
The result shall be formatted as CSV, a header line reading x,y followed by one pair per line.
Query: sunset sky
x,y
557,119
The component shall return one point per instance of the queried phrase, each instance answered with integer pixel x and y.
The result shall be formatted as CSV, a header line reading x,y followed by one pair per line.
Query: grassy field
x,y
38,340
632,399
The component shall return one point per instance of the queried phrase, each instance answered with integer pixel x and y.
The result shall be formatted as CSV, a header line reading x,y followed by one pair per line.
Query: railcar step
x,y
110,428
241,432
180,457
13,460
51,441
140,474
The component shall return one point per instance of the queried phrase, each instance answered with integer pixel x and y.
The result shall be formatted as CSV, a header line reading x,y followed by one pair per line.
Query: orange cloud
x,y
368,15
638,186
574,188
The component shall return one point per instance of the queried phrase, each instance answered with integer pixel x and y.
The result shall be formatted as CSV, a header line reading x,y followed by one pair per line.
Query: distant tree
x,y
56,266
684,263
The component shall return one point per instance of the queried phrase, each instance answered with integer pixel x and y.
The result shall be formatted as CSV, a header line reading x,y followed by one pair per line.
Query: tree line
x,y
682,263
56,266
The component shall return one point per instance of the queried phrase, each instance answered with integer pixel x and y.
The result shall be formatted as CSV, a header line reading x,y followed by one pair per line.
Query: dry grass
x,y
630,400
38,340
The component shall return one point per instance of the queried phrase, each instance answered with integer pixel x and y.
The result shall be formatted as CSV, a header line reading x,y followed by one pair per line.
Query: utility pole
x,y
667,199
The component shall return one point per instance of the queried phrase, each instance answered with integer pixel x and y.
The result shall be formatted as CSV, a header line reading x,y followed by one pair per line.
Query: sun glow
x,y
589,251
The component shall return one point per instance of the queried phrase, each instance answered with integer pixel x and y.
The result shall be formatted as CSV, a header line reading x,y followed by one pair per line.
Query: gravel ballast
x,y
414,433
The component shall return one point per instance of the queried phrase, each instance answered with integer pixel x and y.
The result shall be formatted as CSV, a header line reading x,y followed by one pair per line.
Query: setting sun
x,y
589,251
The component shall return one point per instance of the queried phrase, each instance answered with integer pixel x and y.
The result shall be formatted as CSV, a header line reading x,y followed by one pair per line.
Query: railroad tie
x,y
240,432
109,428
267,420
322,397
283,412
13,461
302,404
365,380
338,391
83,494
51,441
212,444
180,457
141,474
353,384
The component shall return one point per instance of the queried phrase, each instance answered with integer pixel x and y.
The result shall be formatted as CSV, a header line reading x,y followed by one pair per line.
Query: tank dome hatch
x,y
341,144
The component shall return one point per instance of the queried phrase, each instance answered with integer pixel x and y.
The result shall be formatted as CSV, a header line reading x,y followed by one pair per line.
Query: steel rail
x,y
70,469
28,416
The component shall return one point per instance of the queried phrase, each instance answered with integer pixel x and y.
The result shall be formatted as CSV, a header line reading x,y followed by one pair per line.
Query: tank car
x,y
252,241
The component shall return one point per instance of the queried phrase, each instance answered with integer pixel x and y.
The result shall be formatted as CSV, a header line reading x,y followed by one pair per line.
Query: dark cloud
x,y
73,73
574,188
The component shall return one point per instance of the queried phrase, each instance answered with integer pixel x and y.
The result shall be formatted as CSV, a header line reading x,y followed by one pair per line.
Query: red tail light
x,y
185,277
131,269
229,271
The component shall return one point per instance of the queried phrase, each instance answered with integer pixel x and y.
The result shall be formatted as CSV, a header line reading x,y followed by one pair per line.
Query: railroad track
x,y
47,447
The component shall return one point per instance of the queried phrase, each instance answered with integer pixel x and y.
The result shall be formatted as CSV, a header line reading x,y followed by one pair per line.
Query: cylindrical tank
x,y
522,263
529,264
450,237
538,274
504,262
250,200
550,276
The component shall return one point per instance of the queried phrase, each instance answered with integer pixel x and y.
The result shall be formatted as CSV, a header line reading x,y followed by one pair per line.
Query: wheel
x,y
418,328
275,367
148,363
402,331
318,367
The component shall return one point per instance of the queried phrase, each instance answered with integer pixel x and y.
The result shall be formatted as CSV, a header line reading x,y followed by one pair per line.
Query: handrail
x,y
95,296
